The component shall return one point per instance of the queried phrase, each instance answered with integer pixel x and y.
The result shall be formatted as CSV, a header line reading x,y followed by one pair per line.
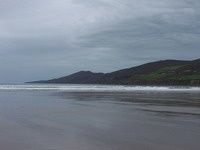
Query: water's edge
x,y
96,88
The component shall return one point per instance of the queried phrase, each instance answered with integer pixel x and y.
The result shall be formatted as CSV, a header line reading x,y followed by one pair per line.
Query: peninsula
x,y
165,72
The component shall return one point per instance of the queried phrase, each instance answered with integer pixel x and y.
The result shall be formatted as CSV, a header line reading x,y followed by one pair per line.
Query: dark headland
x,y
166,72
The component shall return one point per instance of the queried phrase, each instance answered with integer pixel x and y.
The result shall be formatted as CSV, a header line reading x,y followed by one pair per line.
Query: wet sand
x,y
55,120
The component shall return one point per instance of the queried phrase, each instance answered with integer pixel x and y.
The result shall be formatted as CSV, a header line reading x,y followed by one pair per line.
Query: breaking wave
x,y
95,88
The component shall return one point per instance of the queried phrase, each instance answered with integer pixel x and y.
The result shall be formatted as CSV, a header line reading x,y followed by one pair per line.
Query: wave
x,y
95,88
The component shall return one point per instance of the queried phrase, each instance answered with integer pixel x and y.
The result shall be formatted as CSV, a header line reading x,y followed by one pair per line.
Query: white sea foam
x,y
95,88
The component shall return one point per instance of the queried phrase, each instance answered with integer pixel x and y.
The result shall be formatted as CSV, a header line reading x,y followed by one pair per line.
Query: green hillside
x,y
167,72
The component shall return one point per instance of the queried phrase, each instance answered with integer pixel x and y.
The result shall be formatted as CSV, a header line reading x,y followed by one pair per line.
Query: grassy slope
x,y
166,73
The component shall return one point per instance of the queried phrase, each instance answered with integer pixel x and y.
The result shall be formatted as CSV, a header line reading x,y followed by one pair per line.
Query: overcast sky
x,y
41,39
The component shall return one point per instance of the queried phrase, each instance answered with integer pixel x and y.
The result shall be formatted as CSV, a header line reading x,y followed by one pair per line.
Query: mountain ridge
x,y
163,72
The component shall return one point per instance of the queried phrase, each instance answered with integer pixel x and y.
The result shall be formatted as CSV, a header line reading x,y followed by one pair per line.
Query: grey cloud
x,y
169,35
46,38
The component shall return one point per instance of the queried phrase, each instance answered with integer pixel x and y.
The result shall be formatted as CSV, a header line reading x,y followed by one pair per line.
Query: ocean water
x,y
94,117
96,88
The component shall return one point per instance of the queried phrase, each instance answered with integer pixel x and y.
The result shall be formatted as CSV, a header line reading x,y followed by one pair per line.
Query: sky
x,y
43,39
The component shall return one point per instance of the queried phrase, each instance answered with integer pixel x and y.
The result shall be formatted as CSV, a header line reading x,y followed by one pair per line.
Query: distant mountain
x,y
82,77
166,72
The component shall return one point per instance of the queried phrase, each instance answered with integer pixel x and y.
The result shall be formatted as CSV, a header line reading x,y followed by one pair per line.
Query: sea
x,y
99,117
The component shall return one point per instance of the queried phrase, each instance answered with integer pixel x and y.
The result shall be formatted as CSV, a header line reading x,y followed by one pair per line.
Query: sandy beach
x,y
60,120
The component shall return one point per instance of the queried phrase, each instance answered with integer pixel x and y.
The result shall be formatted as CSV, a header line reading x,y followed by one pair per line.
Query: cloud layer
x,y
40,39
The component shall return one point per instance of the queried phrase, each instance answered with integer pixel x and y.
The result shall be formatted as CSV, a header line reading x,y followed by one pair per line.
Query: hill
x,y
166,72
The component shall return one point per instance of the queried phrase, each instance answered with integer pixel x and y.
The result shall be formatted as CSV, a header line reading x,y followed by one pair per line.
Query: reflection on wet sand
x,y
142,97
45,120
